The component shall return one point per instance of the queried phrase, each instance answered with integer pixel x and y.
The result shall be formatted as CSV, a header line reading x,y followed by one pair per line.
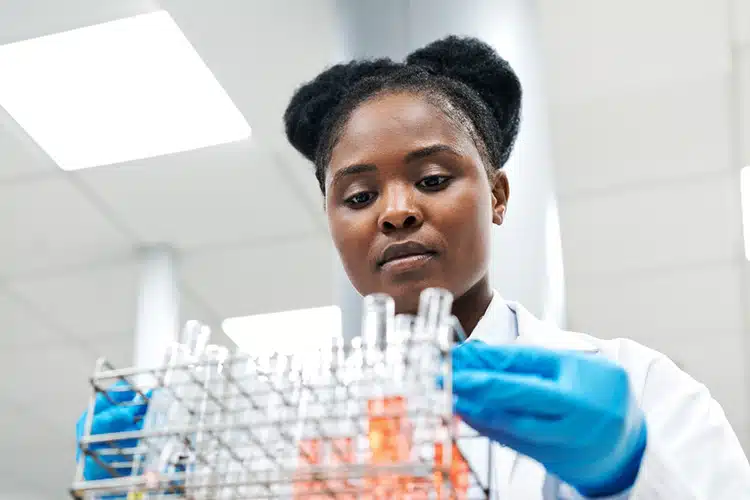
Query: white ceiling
x,y
245,219
646,157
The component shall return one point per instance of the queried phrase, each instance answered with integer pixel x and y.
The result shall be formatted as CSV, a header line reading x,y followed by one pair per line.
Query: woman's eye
x,y
433,182
359,199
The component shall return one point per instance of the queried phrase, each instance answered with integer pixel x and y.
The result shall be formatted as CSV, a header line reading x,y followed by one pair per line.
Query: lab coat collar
x,y
533,331
505,322
497,325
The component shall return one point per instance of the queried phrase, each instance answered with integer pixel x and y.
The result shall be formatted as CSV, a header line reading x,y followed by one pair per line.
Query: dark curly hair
x,y
464,77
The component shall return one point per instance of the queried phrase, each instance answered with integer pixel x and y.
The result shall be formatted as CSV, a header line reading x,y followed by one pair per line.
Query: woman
x,y
409,159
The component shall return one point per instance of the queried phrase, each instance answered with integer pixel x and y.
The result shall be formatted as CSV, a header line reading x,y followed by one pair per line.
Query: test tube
x,y
261,459
434,314
307,443
162,412
355,404
342,430
436,329
377,321
195,337
399,345
210,447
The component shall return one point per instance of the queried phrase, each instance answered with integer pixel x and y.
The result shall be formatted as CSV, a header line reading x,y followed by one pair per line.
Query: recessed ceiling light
x,y
114,92
286,332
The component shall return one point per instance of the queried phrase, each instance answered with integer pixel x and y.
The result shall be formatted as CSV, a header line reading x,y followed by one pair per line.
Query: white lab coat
x,y
692,452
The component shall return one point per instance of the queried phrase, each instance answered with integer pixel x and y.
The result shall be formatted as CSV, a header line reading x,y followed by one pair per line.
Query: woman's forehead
x,y
395,123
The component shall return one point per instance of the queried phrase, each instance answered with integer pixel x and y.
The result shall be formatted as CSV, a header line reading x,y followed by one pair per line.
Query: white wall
x,y
645,98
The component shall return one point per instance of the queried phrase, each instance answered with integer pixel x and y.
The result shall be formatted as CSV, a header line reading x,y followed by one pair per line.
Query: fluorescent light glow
x,y
745,194
285,332
114,92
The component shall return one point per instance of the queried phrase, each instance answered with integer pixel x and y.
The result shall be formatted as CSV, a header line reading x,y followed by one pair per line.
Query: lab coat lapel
x,y
533,331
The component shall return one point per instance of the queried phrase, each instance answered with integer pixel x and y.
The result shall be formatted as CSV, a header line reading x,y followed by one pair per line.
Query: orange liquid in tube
x,y
389,437
342,453
310,455
390,444
458,474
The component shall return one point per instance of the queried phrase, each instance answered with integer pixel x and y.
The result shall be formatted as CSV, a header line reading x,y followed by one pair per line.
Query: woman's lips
x,y
407,263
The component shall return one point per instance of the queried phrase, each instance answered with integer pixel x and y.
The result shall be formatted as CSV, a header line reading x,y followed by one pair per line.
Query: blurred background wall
x,y
637,125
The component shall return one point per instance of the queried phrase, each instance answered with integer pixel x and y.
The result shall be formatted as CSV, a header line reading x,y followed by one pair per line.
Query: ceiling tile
x,y
662,225
91,303
228,193
271,66
269,278
98,305
50,383
658,134
35,446
21,325
596,48
22,157
34,18
299,173
48,224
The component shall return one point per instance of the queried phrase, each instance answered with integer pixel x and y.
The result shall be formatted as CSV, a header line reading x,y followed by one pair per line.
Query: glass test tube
x,y
209,447
238,409
436,326
343,431
162,413
355,403
283,394
261,457
389,426
377,320
308,443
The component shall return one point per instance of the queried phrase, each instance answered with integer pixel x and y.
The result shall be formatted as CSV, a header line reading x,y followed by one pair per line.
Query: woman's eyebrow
x,y
422,153
410,157
355,169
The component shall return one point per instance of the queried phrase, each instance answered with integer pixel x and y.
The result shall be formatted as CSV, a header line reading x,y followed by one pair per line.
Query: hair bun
x,y
477,65
314,101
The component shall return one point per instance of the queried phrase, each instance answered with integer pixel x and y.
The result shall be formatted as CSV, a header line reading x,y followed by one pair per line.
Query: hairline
x,y
435,96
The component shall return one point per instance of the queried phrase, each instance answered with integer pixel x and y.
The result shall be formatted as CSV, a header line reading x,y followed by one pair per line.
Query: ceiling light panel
x,y
115,92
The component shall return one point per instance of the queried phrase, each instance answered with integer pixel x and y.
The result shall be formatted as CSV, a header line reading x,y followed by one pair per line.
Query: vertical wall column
x,y
157,316
739,112
527,254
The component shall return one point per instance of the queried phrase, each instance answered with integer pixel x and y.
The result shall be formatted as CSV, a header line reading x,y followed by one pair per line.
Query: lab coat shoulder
x,y
692,451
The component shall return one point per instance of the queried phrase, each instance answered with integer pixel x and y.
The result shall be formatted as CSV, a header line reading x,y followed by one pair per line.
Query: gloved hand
x,y
119,415
574,413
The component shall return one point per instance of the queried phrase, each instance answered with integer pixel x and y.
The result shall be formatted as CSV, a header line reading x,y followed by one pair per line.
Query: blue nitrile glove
x,y
121,416
574,413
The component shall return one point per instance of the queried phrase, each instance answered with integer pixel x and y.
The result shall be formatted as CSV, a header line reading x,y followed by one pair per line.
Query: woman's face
x,y
409,201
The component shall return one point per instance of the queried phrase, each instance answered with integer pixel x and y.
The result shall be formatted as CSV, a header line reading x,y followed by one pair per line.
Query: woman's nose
x,y
400,211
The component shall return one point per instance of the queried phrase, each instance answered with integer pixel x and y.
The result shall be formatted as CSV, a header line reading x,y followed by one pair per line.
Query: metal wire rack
x,y
363,421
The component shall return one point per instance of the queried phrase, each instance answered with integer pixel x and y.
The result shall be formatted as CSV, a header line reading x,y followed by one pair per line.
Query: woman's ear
x,y
500,194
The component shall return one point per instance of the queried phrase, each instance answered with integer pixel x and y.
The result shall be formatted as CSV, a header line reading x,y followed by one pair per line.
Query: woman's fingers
x,y
529,360
495,393
118,419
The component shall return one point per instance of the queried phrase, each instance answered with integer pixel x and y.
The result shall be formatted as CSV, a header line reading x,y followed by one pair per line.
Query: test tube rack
x,y
363,421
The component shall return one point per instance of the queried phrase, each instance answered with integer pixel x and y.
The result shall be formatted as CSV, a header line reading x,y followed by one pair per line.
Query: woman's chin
x,y
406,298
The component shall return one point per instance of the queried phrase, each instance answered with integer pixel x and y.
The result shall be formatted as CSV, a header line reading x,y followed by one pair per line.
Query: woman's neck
x,y
471,306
